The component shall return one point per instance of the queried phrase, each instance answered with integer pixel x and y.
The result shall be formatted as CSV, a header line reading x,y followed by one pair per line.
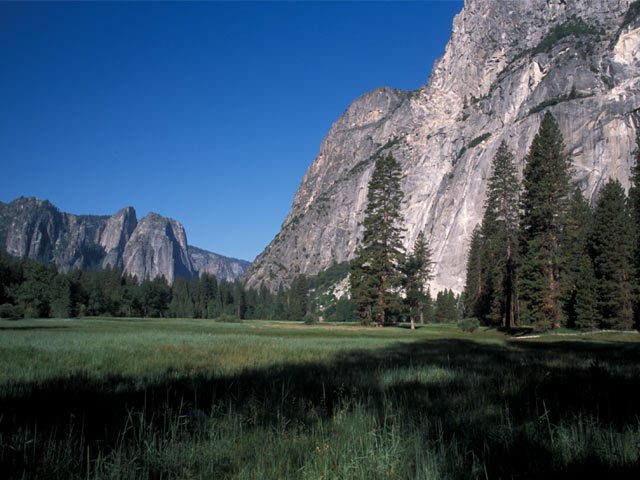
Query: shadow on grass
x,y
499,403
517,331
407,326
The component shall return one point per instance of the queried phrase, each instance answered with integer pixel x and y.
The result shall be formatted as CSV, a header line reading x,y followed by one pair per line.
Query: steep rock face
x,y
158,246
222,267
507,62
116,234
30,227
154,246
35,228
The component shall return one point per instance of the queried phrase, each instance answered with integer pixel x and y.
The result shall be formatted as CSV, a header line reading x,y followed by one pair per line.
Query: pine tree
x,y
298,298
429,308
239,300
473,290
634,202
612,248
280,306
499,230
544,207
634,191
61,301
208,295
446,308
182,301
155,296
32,296
585,308
225,297
363,285
416,273
575,248
375,271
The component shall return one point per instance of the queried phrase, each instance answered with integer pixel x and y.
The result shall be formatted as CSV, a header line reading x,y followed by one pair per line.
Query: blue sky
x,y
206,112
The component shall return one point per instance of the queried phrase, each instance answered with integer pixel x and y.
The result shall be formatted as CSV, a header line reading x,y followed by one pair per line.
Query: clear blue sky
x,y
206,112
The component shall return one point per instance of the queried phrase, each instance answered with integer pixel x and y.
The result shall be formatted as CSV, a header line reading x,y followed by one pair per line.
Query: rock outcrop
x,y
116,234
158,246
222,267
152,247
507,62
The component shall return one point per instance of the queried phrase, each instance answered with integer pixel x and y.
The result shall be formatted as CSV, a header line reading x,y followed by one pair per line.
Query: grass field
x,y
131,398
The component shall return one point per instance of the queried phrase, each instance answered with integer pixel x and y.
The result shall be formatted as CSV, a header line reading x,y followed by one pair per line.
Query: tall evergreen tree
x,y
634,191
298,298
239,300
499,229
577,273
375,272
446,308
225,297
473,290
544,206
61,297
585,306
363,285
182,299
280,306
613,247
416,274
634,201
32,296
208,295
155,296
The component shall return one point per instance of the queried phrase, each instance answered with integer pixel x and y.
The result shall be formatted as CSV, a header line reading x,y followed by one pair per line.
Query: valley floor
x,y
166,398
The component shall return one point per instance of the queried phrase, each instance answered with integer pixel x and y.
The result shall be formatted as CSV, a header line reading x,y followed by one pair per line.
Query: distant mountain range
x,y
150,247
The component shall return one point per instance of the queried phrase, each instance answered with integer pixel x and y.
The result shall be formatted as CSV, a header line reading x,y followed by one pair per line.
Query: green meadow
x,y
187,399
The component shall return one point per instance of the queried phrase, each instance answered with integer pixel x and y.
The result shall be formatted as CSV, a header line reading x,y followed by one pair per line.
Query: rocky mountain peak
x,y
158,246
116,234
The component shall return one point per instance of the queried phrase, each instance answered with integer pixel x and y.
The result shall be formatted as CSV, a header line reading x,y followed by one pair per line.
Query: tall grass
x,y
192,399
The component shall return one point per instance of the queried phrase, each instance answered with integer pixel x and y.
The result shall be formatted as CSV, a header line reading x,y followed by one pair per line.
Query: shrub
x,y
573,95
227,318
468,324
310,319
632,14
10,311
478,140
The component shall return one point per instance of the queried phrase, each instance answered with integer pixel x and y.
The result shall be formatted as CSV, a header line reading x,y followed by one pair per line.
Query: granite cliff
x,y
507,62
150,247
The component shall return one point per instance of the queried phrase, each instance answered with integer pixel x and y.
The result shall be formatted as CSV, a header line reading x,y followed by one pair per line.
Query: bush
x,y
468,324
632,14
10,311
227,318
310,319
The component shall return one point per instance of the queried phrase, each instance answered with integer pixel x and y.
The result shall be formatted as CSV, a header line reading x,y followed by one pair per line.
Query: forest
x,y
543,255
31,289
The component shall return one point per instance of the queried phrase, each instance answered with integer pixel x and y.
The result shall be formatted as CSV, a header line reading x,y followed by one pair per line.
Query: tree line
x,y
543,255
32,289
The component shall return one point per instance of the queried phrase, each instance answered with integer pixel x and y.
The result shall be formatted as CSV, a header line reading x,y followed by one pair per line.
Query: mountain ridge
x,y
149,247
